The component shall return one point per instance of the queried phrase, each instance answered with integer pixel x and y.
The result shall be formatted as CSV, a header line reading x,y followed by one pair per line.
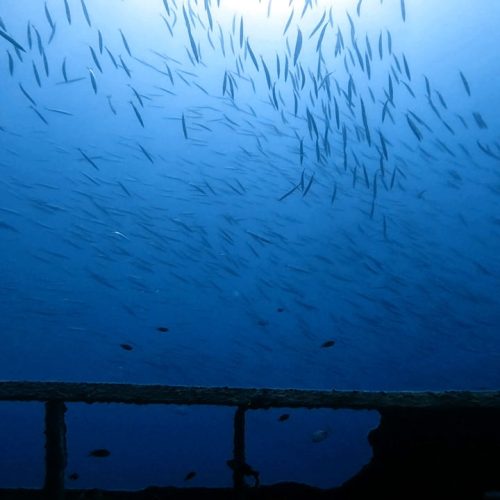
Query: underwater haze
x,y
249,193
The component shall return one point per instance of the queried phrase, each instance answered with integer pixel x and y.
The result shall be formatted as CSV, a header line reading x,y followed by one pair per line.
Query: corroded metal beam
x,y
71,392
239,453
55,450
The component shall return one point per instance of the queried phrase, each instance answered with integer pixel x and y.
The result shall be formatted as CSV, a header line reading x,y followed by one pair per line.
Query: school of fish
x,y
214,180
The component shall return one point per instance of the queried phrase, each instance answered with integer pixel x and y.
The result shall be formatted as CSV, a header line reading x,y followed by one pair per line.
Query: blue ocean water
x,y
258,178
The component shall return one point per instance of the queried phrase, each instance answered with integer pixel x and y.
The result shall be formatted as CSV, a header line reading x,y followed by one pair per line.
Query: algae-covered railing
x,y
56,394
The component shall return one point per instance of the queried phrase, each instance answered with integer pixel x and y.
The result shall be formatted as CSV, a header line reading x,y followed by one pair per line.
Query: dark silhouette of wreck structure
x,y
429,445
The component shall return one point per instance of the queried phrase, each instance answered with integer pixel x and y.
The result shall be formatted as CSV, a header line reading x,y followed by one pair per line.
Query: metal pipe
x,y
243,397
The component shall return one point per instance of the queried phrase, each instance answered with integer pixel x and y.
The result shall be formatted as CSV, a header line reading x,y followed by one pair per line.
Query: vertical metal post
x,y
239,452
55,450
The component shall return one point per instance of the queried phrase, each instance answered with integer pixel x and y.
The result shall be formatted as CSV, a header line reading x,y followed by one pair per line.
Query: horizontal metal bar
x,y
71,392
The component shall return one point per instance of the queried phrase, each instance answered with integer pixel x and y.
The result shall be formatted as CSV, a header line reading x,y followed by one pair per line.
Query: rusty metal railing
x,y
55,395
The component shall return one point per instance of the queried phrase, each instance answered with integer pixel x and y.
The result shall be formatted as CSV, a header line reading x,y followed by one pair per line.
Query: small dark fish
x,y
74,476
72,80
126,347
441,99
190,35
28,33
94,57
308,186
266,72
318,436
138,96
11,63
408,88
86,12
487,150
40,115
100,41
328,343
52,34
27,95
111,105
414,128
100,453
59,111
245,469
68,12
358,8
125,68
162,329
137,114
287,25
321,36
384,145
334,194
252,56
280,309
65,74
403,10
93,81
125,43
284,417
88,159
37,75
407,68
258,238
464,81
365,123
146,154
45,64
49,17
125,190
298,47
479,120
184,129
11,40
38,40
190,475
8,227
113,60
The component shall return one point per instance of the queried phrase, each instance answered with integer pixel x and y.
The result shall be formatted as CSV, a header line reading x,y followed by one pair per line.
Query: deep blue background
x,y
91,259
